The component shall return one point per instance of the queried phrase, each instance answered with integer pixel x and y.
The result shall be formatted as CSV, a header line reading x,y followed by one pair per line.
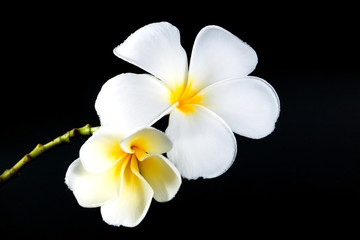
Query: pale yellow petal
x,y
162,176
102,150
133,202
146,141
92,190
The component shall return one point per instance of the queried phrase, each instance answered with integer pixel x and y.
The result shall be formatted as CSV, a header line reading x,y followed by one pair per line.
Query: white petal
x,y
249,105
218,54
102,150
156,48
162,176
133,202
148,140
132,100
203,144
92,190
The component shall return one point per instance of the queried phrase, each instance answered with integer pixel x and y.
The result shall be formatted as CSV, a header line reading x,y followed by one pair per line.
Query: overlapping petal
x,y
162,176
92,190
133,201
146,140
249,105
203,144
218,54
132,100
102,150
156,48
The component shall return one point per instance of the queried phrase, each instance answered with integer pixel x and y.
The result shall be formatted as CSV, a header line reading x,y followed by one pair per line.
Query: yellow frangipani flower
x,y
122,173
207,100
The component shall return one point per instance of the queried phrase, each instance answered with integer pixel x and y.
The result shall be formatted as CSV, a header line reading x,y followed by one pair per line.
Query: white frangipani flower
x,y
207,101
122,173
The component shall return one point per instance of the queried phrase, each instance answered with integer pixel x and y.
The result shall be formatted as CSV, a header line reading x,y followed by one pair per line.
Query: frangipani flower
x,y
122,173
207,101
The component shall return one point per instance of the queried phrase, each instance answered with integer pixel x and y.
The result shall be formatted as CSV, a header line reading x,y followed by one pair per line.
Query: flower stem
x,y
86,130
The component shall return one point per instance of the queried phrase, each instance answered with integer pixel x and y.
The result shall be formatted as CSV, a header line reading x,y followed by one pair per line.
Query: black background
x,y
302,180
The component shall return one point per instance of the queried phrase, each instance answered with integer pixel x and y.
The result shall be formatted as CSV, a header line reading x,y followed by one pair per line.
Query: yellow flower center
x,y
186,97
128,158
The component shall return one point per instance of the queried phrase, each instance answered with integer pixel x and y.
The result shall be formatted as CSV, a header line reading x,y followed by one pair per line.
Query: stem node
x,y
87,130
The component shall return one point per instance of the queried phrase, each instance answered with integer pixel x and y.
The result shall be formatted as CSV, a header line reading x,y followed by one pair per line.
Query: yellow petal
x,y
162,176
102,150
146,141
133,202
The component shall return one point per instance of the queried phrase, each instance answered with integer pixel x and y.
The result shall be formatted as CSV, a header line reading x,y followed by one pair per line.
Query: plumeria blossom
x,y
207,100
121,173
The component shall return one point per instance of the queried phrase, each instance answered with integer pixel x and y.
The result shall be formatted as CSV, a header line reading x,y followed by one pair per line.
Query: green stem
x,y
87,130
